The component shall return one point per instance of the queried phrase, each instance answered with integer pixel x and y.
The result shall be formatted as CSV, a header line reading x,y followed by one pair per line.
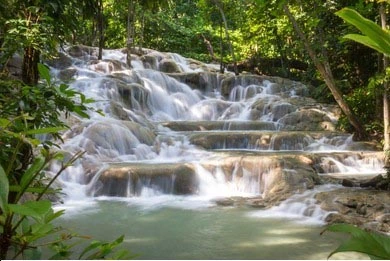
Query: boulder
x,y
61,62
196,80
169,66
366,208
307,119
83,52
126,180
14,66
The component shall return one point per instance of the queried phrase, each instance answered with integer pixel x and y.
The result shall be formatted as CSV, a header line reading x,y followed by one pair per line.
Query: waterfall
x,y
196,133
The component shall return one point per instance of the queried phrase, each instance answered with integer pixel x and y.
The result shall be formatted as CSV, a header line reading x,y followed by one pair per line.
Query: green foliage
x,y
373,35
26,213
375,245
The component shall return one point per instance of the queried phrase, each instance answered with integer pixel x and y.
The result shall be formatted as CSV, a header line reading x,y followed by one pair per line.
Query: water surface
x,y
202,232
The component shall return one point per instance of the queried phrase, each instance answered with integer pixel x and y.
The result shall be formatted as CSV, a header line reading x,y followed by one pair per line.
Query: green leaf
x,y
32,253
44,130
16,188
44,73
4,122
80,111
375,245
31,172
4,189
93,245
365,41
34,209
54,215
41,230
374,32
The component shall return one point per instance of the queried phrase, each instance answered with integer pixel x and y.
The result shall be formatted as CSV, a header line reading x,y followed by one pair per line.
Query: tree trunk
x,y
386,105
141,33
30,73
209,47
130,31
326,73
221,66
100,28
227,35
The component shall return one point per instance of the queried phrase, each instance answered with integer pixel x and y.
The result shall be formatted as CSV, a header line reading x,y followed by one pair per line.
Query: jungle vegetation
x,y
301,40
249,35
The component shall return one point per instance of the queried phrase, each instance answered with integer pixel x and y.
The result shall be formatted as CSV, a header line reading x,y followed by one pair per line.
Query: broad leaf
x,y
368,28
365,41
377,246
4,122
31,172
34,209
4,189
44,130
16,188
44,73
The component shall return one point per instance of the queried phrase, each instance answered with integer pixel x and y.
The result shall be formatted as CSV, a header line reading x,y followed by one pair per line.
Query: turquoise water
x,y
205,232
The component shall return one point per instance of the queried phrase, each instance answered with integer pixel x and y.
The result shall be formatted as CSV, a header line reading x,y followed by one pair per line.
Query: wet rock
x,y
364,146
230,82
151,61
348,183
281,109
373,183
258,203
306,119
169,66
107,66
127,179
14,66
231,201
117,111
83,52
67,74
197,80
133,95
363,207
61,62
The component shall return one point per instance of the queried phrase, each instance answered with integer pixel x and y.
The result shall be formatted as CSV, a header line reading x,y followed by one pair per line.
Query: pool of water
x,y
187,229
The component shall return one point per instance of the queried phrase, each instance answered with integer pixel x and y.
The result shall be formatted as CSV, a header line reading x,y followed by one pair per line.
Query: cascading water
x,y
192,136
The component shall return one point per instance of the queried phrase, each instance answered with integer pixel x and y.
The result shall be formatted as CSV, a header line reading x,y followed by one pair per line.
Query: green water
x,y
206,233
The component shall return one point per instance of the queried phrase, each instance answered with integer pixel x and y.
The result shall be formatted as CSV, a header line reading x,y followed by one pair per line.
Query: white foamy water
x,y
301,208
134,102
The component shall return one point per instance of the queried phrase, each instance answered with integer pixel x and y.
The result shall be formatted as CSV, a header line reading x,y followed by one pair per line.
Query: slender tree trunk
x,y
30,73
100,28
141,34
386,105
130,31
227,35
221,66
326,73
209,47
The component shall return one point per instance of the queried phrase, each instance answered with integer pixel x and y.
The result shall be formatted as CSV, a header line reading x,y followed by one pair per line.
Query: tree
x,y
218,4
100,26
323,67
26,214
376,38
386,102
130,31
35,28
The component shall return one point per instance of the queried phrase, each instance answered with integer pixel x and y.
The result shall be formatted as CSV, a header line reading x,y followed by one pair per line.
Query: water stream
x,y
171,143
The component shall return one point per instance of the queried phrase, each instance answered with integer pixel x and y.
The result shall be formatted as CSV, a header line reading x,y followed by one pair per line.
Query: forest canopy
x,y
248,36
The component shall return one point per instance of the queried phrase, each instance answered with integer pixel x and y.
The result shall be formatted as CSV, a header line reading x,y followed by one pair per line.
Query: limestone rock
x,y
306,119
127,180
363,207
61,62
83,52
169,66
